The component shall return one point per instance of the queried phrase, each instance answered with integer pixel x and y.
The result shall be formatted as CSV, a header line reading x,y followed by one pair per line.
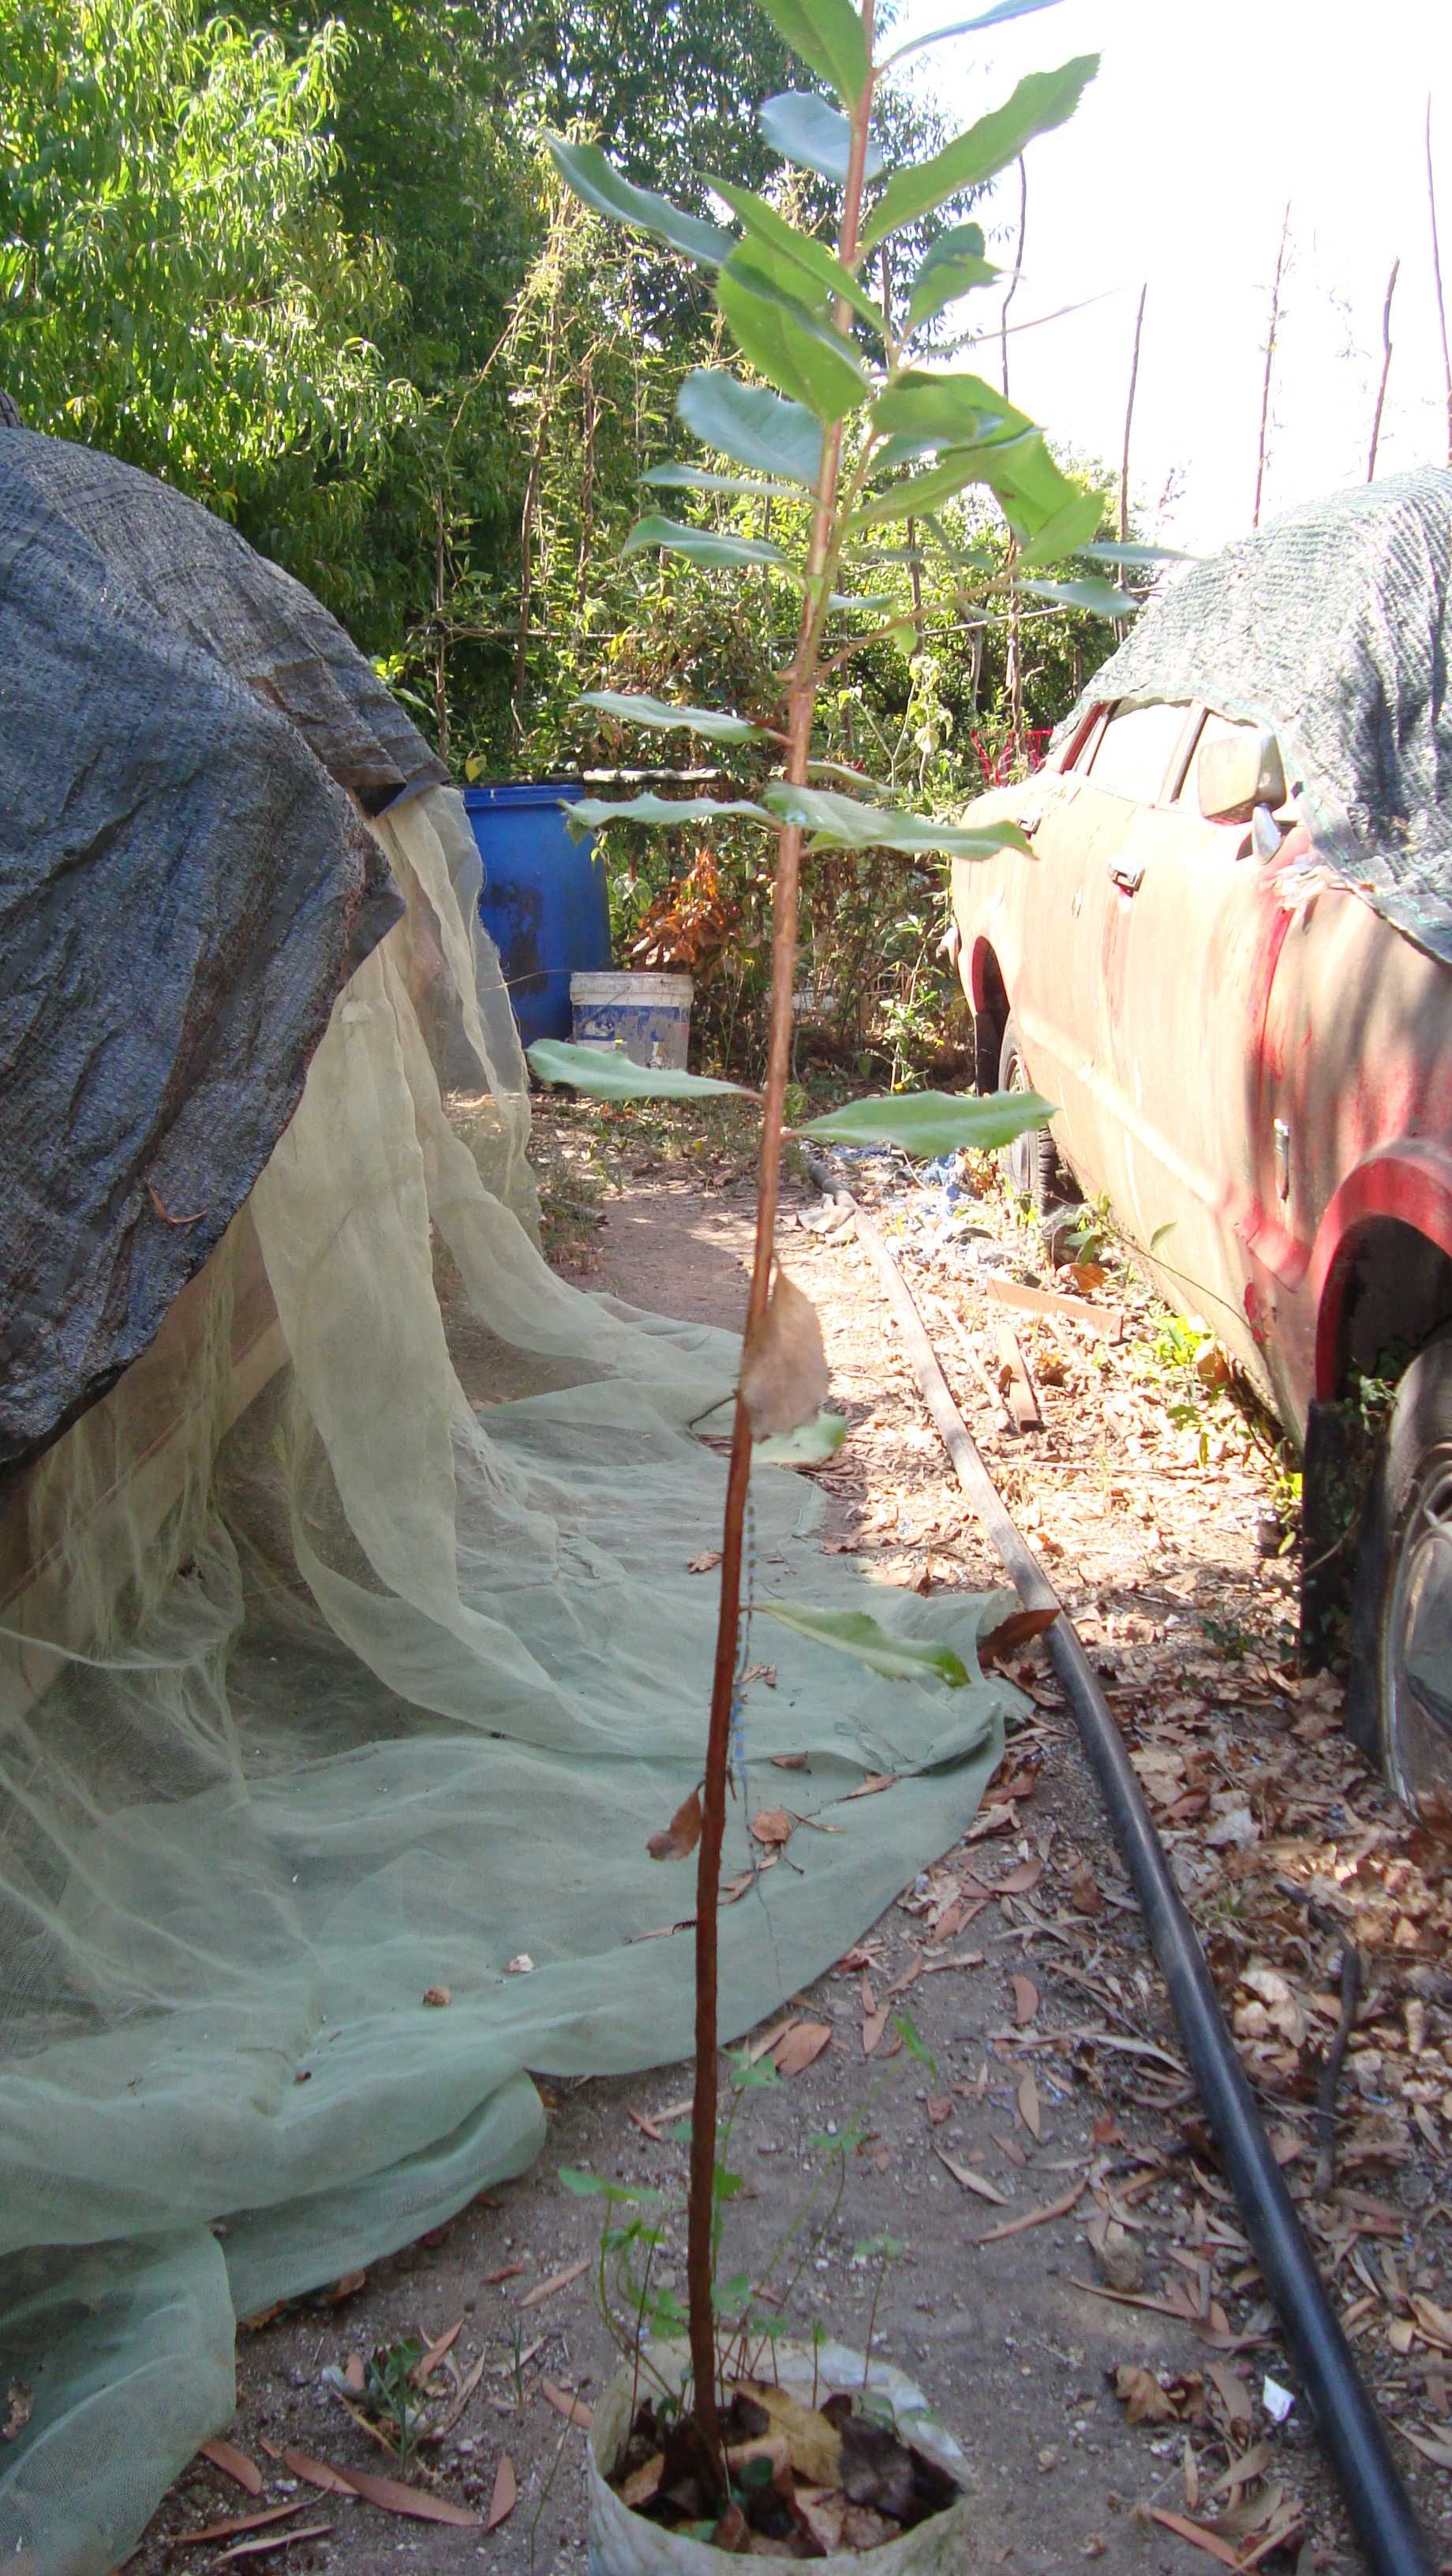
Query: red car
x,y
1251,1056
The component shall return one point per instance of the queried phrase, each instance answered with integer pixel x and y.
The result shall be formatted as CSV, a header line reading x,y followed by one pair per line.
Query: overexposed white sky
x,y
1202,124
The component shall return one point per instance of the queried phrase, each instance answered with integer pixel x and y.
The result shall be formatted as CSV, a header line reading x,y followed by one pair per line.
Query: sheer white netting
x,y
349,1650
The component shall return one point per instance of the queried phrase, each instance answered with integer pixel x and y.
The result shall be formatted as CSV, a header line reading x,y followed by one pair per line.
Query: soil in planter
x,y
805,2481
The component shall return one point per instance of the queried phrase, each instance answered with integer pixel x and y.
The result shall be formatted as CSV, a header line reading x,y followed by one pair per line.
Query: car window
x,y
1214,729
1133,753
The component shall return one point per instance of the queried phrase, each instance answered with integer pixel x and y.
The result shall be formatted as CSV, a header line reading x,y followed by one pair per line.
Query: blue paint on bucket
x,y
545,903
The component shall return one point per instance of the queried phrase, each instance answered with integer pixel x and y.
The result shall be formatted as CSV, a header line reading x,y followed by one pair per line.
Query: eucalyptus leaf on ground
x,y
710,722
585,169
804,129
857,1633
607,1073
931,1123
751,424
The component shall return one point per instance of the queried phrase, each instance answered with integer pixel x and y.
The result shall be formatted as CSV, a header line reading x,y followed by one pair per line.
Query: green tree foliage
x,y
178,285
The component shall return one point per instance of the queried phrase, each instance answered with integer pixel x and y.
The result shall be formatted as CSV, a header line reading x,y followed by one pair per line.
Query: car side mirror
x,y
1239,773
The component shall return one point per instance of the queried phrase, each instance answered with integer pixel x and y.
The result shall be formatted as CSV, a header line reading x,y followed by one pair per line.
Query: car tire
x,y
1400,1702
1030,1164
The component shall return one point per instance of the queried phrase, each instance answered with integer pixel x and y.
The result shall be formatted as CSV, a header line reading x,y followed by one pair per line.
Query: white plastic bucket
x,y
623,2543
649,1015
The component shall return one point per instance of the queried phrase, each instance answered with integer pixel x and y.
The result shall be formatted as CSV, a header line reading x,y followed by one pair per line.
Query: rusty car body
x,y
1253,1064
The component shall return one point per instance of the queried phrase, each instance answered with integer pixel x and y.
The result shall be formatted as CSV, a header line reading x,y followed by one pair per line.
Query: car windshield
x,y
1134,752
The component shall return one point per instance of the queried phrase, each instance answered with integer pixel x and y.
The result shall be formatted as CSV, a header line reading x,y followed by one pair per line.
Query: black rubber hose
x,y
1350,2428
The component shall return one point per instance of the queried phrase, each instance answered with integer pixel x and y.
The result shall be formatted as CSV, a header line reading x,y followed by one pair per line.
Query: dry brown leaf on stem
x,y
801,2046
772,1826
506,2493
225,2456
784,1379
678,1839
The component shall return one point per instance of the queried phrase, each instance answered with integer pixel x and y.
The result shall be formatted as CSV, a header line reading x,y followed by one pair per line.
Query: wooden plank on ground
x,y
1018,1394
1107,1321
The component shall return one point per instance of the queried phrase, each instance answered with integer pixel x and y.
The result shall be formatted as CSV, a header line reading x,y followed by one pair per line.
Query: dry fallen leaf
x,y
1028,2103
392,2496
1198,2536
939,2107
315,2473
784,1378
972,2181
705,1563
1084,1891
869,1787
1016,1630
1025,1999
225,2456
1043,2217
506,2493
678,1839
564,2401
1140,2394
242,2522
873,2026
790,1761
556,2281
439,1995
800,2046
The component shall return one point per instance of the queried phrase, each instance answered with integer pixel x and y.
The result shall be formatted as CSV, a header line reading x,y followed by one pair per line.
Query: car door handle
x,y
1128,880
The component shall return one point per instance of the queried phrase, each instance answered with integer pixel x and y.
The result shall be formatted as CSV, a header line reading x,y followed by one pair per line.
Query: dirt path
x,y
1104,2362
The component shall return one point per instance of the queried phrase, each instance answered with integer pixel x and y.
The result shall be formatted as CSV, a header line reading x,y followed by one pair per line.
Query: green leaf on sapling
x,y
798,250
830,38
607,1073
596,813
589,2186
930,1123
841,823
803,128
1040,102
966,27
700,545
712,723
1065,531
1101,598
955,468
585,169
801,355
698,478
1105,551
856,1633
751,424
951,266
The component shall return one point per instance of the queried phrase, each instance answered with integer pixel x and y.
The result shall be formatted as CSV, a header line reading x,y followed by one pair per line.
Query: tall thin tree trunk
x,y
441,647
1013,650
800,694
1270,359
1386,359
590,410
1437,278
1128,420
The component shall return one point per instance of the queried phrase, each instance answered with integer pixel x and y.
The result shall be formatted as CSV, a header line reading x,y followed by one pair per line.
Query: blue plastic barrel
x,y
544,904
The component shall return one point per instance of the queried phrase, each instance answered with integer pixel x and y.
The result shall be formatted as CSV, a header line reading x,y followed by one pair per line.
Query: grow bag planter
x,y
623,2543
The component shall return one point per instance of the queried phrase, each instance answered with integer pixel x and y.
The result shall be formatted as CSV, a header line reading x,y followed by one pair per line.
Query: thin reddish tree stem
x,y
800,697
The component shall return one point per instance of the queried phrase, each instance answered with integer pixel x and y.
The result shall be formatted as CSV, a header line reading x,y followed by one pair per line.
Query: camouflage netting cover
x,y
356,1657
1334,626
185,886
